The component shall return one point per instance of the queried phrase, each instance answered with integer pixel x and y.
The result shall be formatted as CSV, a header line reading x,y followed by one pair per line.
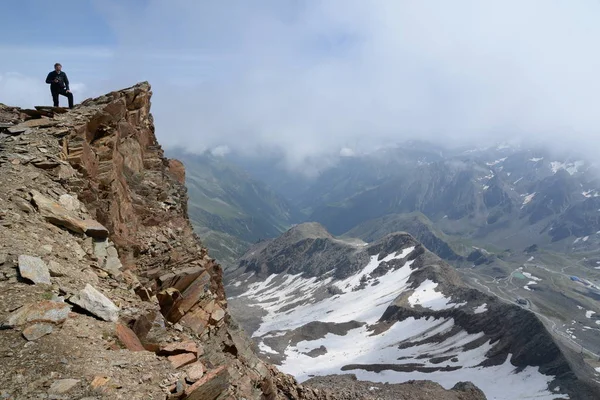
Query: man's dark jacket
x,y
62,84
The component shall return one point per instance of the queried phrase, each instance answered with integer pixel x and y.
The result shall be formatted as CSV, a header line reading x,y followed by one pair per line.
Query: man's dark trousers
x,y
62,92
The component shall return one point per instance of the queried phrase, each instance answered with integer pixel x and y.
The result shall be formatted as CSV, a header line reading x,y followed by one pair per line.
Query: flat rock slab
x,y
57,110
94,229
129,338
62,386
96,303
181,360
181,279
179,348
43,311
38,123
46,164
36,331
34,269
17,129
59,215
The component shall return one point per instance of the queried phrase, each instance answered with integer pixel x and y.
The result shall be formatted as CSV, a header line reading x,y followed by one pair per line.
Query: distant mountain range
x,y
498,198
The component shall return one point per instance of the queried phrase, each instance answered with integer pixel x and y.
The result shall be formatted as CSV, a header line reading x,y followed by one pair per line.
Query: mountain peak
x,y
307,230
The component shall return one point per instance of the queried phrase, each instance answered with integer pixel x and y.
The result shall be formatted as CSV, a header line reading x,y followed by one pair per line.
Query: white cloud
x,y
309,78
220,151
346,152
21,90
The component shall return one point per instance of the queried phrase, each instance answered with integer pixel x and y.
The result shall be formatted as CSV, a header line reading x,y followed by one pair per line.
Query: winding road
x,y
552,325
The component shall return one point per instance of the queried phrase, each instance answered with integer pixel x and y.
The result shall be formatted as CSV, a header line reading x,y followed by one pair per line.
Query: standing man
x,y
59,84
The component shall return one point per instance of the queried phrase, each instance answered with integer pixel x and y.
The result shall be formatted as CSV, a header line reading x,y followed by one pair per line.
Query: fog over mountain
x,y
309,79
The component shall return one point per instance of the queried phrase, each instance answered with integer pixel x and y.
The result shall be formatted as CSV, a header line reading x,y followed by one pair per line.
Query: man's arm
x,y
66,82
49,78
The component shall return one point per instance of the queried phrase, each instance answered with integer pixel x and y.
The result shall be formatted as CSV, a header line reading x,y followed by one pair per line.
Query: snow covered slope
x,y
402,315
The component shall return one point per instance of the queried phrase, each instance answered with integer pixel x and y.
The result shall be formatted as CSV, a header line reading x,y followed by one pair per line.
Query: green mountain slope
x,y
419,226
229,209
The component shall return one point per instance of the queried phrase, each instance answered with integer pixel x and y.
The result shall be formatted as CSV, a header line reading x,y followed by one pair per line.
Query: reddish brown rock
x,y
99,382
181,279
196,319
143,293
218,314
177,170
128,338
181,360
179,348
43,311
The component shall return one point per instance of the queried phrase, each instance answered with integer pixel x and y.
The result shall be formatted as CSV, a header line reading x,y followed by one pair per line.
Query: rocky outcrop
x,y
89,196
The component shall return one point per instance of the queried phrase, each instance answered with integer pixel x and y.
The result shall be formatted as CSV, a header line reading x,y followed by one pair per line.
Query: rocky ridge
x,y
105,291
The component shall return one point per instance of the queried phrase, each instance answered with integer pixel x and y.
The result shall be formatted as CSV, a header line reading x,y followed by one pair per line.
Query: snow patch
x,y
361,347
266,349
528,198
534,278
481,309
496,162
427,297
536,159
588,313
366,304
571,168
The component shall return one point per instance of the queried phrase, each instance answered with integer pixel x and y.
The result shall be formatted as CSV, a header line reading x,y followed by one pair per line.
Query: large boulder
x,y
34,269
91,300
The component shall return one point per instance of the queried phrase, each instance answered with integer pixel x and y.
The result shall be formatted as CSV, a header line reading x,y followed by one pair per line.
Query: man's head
x,y
57,67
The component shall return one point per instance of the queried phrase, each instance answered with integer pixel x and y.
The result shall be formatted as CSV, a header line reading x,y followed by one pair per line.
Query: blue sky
x,y
51,23
310,78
